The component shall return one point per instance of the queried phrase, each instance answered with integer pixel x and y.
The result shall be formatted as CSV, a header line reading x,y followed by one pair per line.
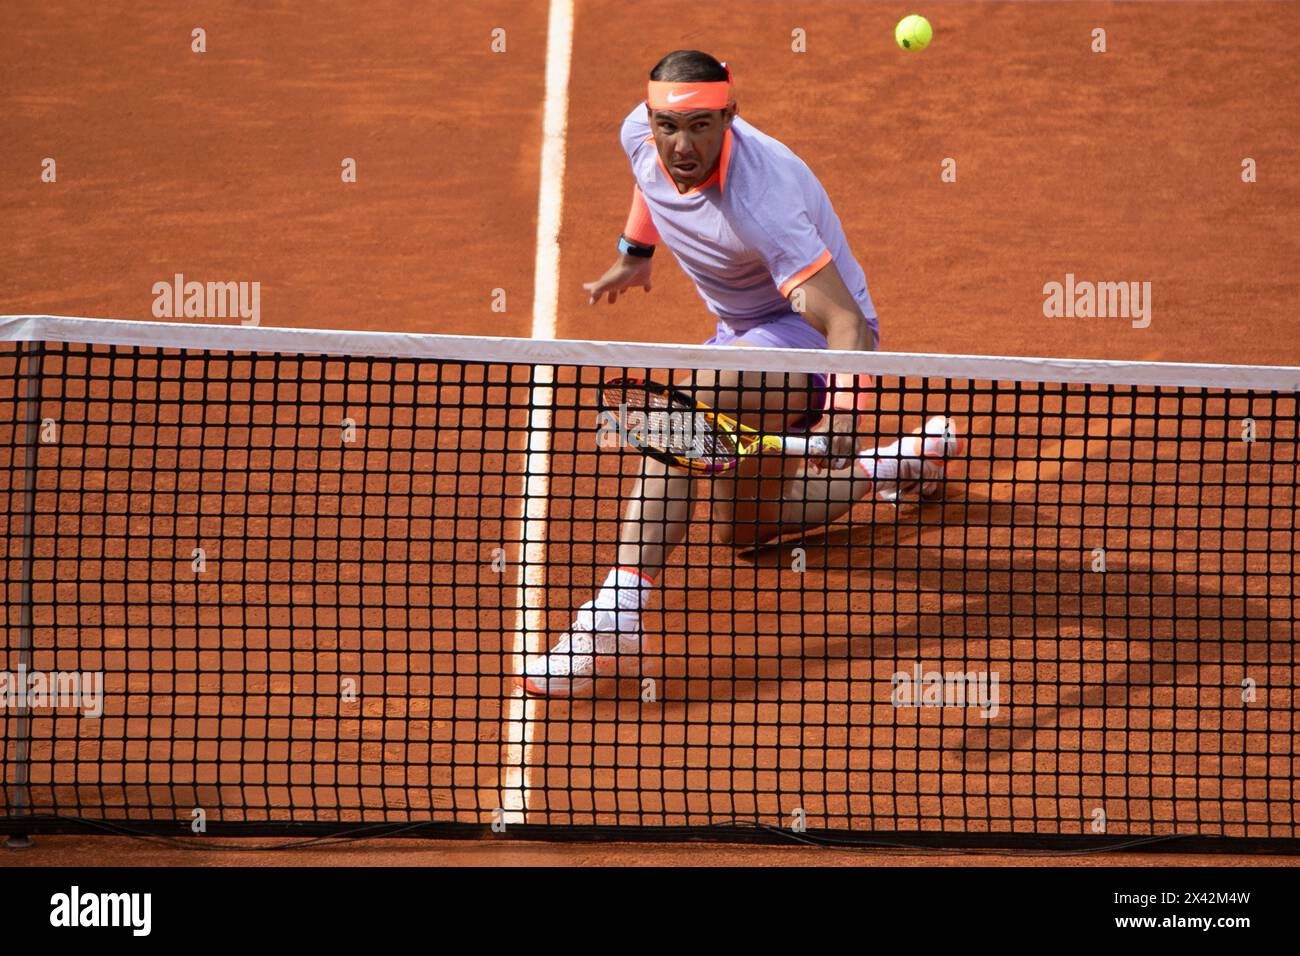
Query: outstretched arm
x,y
629,271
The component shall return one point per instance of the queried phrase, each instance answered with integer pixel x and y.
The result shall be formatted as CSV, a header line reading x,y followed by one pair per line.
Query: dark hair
x,y
688,66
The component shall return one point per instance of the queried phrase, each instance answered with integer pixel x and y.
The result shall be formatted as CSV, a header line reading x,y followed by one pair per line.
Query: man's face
x,y
690,143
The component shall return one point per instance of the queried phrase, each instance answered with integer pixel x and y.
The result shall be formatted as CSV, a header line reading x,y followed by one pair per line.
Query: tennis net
x,y
267,581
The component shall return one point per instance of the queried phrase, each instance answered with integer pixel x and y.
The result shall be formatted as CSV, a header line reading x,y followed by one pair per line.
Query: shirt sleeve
x,y
781,232
632,134
640,226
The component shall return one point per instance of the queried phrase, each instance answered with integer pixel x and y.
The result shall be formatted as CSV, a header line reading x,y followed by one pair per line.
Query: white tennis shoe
x,y
913,469
602,642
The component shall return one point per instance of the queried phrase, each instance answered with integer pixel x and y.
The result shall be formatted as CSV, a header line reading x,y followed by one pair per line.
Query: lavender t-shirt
x,y
747,238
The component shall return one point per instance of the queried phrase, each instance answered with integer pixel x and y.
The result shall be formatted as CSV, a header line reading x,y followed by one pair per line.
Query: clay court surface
x,y
1122,166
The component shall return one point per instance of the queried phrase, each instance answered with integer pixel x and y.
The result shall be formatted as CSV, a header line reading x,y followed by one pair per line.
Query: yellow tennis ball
x,y
913,32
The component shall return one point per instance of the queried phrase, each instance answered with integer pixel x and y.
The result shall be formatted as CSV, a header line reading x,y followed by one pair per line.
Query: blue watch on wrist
x,y
634,249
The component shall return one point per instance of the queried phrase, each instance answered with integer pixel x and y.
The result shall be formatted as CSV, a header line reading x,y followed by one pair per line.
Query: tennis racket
x,y
670,426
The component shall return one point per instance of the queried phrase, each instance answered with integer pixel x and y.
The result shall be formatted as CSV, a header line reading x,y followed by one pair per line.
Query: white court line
x,y
530,592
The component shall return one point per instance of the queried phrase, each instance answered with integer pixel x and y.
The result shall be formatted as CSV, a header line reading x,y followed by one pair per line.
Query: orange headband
x,y
690,96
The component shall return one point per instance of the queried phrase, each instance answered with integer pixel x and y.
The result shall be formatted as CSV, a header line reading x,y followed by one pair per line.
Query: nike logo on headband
x,y
676,98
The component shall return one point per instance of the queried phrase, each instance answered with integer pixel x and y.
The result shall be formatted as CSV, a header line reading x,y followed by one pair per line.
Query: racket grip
x,y
815,445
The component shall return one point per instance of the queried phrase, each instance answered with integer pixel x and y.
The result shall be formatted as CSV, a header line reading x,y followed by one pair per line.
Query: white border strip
x,y
470,348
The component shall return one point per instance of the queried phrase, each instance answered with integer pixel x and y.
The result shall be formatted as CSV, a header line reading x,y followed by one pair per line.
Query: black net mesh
x,y
294,589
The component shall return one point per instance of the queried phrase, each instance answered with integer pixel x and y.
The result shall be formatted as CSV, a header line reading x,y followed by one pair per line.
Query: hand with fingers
x,y
627,273
839,429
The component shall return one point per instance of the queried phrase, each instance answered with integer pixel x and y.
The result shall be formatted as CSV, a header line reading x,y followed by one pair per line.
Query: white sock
x,y
625,589
880,464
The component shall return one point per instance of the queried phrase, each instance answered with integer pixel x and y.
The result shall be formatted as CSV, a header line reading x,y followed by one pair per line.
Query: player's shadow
x,y
1209,627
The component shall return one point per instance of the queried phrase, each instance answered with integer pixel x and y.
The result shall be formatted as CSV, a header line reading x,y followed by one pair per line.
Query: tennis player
x,y
753,228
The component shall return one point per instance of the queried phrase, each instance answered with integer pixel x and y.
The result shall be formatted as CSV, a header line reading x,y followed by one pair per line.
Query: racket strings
x,y
669,426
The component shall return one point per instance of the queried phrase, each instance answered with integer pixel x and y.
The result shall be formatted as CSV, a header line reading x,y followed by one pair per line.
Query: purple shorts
x,y
784,330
